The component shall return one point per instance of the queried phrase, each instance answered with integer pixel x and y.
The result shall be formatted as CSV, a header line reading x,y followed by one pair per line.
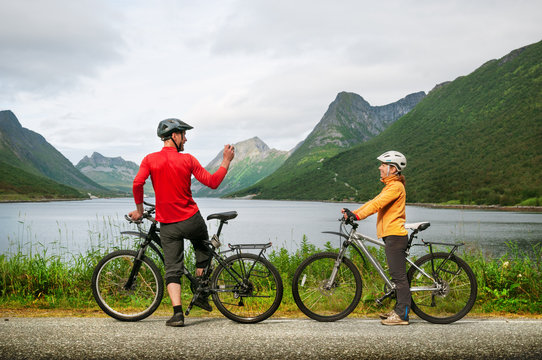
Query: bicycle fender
x,y
135,233
335,233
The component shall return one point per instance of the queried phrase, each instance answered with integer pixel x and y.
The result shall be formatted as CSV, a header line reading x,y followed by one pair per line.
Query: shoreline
x,y
4,201
514,208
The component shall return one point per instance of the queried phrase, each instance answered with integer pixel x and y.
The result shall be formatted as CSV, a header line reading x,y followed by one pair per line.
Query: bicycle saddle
x,y
223,216
420,226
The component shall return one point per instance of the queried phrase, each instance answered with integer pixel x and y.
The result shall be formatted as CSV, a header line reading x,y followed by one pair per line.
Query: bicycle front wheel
x,y
248,289
457,293
320,300
109,281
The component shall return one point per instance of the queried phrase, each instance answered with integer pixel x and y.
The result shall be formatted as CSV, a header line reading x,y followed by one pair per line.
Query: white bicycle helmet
x,y
394,158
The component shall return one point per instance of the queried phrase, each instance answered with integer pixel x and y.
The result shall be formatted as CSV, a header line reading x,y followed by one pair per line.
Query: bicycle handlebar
x,y
147,214
348,221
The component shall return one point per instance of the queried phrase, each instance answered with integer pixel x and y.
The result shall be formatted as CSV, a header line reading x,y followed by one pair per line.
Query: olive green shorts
x,y
172,236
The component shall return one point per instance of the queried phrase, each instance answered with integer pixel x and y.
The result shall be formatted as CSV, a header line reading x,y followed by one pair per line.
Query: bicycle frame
x,y
357,240
152,239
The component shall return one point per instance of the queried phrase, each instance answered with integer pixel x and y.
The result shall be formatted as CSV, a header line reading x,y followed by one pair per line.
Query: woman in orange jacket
x,y
390,206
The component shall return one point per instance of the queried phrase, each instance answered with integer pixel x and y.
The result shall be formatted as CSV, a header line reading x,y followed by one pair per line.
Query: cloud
x,y
47,46
99,75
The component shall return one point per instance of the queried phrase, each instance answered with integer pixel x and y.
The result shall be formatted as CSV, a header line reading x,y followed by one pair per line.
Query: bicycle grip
x,y
351,217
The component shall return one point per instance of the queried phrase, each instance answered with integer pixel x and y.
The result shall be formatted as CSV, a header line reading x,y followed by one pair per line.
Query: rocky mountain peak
x,y
351,120
97,159
112,172
250,148
253,161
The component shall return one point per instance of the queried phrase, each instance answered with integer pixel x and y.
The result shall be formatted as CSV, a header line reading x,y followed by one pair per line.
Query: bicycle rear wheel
x,y
319,301
248,289
458,293
108,286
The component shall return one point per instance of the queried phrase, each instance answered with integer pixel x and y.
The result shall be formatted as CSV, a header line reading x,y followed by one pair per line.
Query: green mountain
x,y
111,172
29,153
253,161
17,184
349,120
475,140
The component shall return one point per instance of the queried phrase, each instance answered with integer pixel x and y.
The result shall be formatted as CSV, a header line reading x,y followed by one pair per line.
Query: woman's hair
x,y
401,178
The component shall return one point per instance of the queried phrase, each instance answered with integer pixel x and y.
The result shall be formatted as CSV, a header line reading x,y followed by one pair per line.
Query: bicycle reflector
x,y
215,242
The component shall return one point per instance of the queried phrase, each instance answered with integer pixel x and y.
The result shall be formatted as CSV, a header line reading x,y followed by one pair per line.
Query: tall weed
x,y
43,278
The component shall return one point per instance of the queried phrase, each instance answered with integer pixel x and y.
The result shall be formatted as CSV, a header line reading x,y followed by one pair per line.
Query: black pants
x,y
172,237
396,258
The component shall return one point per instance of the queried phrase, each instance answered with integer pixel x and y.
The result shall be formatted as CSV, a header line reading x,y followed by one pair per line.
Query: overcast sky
x,y
98,75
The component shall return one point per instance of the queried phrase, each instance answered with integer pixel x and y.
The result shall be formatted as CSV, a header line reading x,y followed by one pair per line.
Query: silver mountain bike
x,y
327,286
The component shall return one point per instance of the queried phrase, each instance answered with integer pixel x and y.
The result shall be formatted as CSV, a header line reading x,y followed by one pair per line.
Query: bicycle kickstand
x,y
191,303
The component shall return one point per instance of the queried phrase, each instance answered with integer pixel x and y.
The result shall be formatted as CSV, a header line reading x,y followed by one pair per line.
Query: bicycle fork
x,y
135,269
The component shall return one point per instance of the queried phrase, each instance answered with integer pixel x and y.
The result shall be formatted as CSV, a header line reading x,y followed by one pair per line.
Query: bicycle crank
x,y
387,293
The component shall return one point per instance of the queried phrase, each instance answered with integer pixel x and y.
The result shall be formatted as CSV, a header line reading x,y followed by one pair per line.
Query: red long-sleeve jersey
x,y
171,174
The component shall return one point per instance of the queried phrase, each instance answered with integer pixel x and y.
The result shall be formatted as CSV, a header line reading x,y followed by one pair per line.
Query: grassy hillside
x,y
16,184
475,140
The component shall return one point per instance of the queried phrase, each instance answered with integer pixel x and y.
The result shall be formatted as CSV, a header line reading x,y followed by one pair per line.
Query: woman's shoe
x,y
394,319
384,316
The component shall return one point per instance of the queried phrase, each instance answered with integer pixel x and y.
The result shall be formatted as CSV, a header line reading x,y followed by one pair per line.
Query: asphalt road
x,y
219,338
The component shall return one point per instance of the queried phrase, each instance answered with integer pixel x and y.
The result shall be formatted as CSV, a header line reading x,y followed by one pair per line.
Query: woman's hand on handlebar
x,y
349,215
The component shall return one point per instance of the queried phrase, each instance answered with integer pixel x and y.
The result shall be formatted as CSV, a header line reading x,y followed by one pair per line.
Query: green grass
x,y
45,278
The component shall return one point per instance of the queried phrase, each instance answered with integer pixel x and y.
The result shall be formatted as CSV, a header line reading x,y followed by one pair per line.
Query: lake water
x,y
76,226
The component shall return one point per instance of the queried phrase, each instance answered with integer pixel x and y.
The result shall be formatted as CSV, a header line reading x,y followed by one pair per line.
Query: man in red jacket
x,y
176,210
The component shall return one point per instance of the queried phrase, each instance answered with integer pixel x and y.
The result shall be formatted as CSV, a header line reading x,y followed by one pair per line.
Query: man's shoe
x,y
176,320
384,316
203,302
394,319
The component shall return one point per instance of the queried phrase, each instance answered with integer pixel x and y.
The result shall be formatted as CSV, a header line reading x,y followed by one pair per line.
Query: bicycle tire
x,y
323,304
259,296
459,291
135,304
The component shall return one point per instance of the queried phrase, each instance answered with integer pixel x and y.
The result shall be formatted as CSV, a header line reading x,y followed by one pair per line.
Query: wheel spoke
x,y
457,291
250,298
322,302
110,278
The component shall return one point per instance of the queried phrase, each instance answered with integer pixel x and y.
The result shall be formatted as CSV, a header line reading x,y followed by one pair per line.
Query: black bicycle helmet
x,y
169,126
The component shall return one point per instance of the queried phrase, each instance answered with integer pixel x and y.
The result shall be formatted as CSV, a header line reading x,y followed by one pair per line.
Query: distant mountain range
x,y
474,140
349,120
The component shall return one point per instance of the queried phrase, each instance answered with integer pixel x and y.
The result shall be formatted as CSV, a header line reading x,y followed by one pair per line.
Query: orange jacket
x,y
390,205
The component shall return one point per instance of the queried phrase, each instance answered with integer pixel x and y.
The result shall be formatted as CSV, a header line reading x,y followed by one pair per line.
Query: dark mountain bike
x,y
327,286
244,287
